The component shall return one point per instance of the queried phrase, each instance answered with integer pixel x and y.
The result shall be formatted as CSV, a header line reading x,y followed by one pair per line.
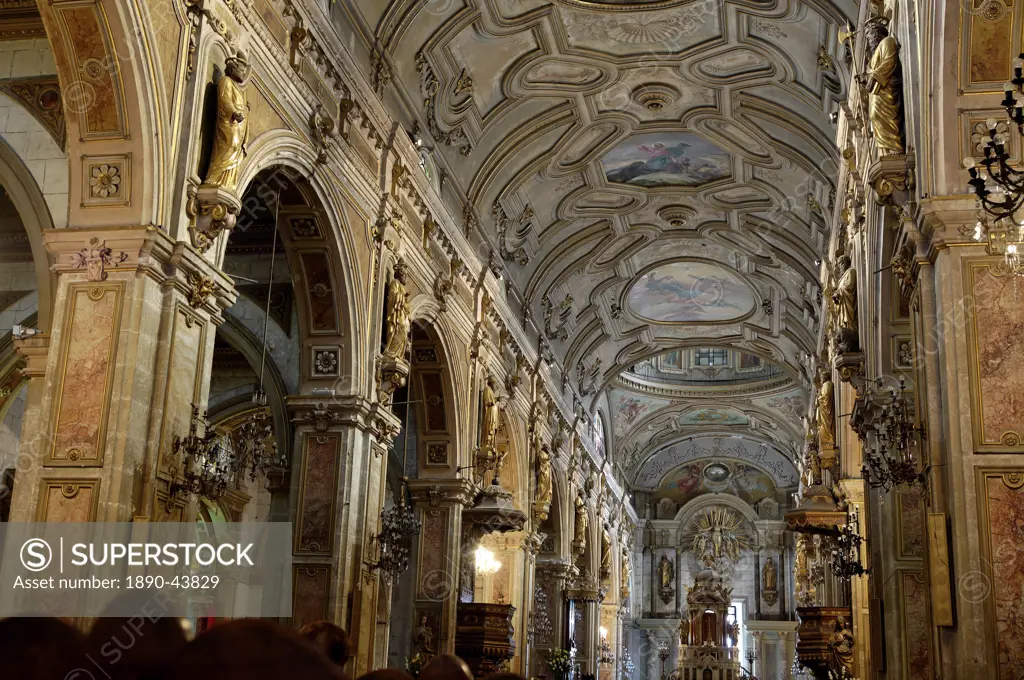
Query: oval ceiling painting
x,y
665,159
690,292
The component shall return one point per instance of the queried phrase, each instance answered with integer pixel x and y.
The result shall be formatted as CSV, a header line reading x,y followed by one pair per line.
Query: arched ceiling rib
x,y
654,174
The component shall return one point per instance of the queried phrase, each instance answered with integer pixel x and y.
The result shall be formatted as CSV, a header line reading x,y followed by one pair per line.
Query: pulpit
x,y
484,636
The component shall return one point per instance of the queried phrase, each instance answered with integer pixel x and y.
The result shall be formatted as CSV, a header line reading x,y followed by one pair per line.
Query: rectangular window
x,y
711,357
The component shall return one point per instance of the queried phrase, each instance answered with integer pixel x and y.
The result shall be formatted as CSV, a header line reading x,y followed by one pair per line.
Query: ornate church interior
x,y
573,339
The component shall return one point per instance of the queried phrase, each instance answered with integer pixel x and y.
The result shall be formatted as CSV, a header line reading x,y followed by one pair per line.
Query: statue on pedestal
x,y
582,520
491,420
845,299
543,495
825,411
666,572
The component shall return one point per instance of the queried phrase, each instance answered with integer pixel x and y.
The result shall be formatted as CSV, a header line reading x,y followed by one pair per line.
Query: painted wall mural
x,y
665,159
702,477
690,292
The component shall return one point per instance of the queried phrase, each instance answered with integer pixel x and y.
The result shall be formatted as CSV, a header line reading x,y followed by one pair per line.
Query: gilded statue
x,y
718,533
398,321
665,573
606,554
624,575
543,475
845,299
232,126
840,645
885,89
769,575
812,466
491,419
684,629
825,412
579,535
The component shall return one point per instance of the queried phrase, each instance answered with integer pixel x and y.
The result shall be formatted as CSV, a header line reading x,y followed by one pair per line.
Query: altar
x,y
707,643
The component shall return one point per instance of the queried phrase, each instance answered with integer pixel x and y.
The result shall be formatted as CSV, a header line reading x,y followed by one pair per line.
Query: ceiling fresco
x,y
690,292
692,480
647,176
651,473
665,159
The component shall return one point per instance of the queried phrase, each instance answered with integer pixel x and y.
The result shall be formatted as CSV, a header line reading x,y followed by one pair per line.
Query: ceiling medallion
x,y
655,97
624,5
677,215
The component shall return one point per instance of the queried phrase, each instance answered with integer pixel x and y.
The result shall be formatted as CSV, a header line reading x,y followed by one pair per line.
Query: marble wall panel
x,y
910,540
1002,522
435,580
67,500
311,588
85,373
990,46
317,493
997,347
917,662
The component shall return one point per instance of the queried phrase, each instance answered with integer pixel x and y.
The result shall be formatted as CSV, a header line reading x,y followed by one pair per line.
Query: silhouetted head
x,y
330,639
446,667
251,649
41,649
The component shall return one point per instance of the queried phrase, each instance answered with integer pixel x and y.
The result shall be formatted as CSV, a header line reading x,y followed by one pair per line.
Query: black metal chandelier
x,y
891,463
397,524
845,561
1006,195
206,465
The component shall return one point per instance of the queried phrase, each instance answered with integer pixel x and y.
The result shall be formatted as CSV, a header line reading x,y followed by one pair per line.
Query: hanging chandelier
x,y
999,187
251,455
891,463
397,524
846,556
206,465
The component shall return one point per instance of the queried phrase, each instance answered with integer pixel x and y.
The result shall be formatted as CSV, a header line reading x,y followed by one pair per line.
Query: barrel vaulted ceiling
x,y
653,175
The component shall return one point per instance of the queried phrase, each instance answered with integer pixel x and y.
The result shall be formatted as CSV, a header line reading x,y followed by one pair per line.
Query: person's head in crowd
x,y
445,667
41,649
386,674
137,647
251,649
329,639
504,675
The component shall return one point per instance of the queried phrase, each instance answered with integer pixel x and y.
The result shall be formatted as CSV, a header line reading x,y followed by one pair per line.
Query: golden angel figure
x,y
232,126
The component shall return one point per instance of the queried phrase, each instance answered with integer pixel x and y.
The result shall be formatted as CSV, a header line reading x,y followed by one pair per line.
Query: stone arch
x,y
309,232
108,77
35,215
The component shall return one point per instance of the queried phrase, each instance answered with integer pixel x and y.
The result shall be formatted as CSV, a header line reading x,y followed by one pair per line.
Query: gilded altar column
x,y
114,382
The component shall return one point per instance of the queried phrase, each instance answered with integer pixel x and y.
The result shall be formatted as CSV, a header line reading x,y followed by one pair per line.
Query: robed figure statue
x,y
885,90
232,126
398,323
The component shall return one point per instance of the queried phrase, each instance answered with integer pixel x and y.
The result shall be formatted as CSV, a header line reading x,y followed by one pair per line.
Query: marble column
x,y
439,504
113,383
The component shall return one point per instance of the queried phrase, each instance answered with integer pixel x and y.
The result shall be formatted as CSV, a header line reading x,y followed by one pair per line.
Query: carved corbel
x,y
322,130
892,178
202,288
556,319
211,211
321,417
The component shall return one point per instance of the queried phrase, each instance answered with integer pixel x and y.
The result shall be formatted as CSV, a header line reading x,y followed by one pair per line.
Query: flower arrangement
x,y
560,662
414,665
